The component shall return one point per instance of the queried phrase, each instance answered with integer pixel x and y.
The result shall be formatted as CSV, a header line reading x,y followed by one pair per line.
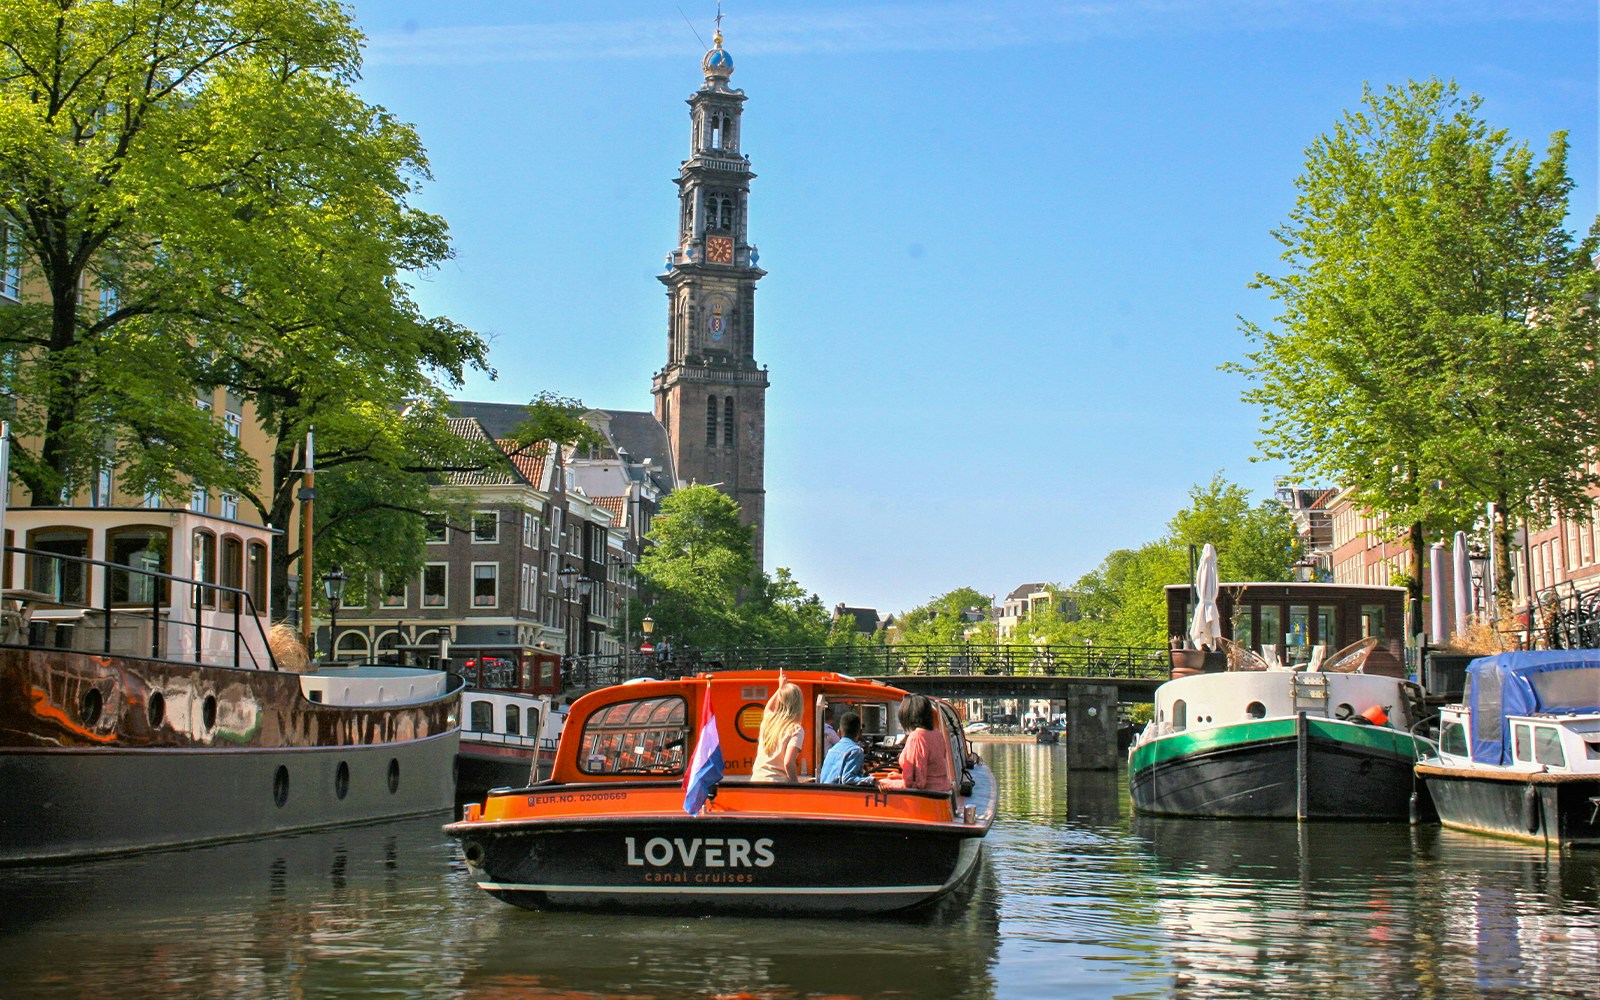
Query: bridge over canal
x,y
955,671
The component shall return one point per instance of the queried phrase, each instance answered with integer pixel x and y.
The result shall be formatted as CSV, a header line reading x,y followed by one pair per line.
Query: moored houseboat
x,y
610,829
1281,744
508,733
142,709
1520,757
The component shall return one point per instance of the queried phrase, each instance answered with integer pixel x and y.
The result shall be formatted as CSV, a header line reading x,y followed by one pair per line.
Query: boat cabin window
x,y
1180,715
143,550
1547,746
59,574
513,723
1453,739
482,717
1255,710
1523,736
645,736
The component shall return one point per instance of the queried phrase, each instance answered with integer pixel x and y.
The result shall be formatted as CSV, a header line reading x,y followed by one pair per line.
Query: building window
x,y
393,591
199,499
230,506
727,422
205,567
530,587
435,592
110,298
232,571
485,585
436,532
711,421
100,493
485,527
10,260
530,530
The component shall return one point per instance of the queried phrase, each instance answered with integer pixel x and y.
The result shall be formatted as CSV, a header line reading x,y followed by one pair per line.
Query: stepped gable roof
x,y
471,430
530,461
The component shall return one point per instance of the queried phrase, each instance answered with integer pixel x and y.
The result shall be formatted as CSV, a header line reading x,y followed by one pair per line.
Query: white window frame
x,y
422,585
230,506
387,600
444,536
530,530
10,261
494,576
494,516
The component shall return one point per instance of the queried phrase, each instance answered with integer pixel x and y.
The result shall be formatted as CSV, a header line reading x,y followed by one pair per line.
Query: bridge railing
x,y
948,660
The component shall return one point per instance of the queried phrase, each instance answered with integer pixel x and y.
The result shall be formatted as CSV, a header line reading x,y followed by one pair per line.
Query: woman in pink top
x,y
925,759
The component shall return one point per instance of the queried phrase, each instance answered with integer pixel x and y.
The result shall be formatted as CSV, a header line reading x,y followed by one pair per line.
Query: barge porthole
x,y
208,712
1255,710
280,785
158,709
89,707
473,852
394,775
341,780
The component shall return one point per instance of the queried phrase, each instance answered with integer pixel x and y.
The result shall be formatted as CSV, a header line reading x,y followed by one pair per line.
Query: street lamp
x,y
569,580
1479,562
333,587
647,625
621,561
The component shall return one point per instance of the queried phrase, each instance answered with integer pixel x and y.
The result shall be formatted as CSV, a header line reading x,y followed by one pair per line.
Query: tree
x,y
1436,348
946,619
700,562
245,217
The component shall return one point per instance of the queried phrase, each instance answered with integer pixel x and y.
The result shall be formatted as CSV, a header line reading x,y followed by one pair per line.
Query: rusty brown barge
x,y
142,710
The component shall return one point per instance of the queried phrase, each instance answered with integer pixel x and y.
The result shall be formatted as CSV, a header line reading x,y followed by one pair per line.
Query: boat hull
x,y
1556,809
481,767
714,864
1251,770
89,766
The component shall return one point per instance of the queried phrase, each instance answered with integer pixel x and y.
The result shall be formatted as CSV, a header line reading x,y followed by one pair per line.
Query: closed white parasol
x,y
1206,628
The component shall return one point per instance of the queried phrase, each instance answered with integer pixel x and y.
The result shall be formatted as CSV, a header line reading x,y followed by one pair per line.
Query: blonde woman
x,y
782,737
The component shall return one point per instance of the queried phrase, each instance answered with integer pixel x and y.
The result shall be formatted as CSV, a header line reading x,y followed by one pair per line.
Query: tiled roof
x,y
471,430
529,461
611,504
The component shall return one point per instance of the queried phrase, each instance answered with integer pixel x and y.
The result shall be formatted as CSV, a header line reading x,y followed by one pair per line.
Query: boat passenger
x,y
925,758
843,765
781,738
830,735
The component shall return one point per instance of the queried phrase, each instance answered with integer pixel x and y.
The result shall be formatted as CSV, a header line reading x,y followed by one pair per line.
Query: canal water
x,y
1076,898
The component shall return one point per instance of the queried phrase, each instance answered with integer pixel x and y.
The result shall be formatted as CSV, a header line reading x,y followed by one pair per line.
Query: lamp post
x,y
569,578
1478,560
585,588
647,625
621,561
333,588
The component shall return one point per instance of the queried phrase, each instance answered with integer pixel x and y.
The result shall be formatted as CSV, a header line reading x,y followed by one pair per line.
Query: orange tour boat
x,y
651,805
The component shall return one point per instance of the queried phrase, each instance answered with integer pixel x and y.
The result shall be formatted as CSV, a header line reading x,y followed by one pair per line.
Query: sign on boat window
x,y
645,736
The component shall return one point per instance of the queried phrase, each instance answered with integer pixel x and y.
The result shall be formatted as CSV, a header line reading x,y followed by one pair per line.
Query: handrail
x,y
931,660
160,600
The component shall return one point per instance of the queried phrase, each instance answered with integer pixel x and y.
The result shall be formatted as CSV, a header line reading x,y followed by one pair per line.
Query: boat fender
x,y
1378,715
1530,808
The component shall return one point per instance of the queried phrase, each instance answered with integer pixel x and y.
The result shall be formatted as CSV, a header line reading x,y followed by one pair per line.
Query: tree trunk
x,y
61,393
1419,569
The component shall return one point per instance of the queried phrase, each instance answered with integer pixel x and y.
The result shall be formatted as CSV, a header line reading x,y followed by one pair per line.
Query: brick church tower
x,y
711,395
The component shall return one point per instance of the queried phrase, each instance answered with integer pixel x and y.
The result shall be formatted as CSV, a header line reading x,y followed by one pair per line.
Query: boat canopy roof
x,y
1525,683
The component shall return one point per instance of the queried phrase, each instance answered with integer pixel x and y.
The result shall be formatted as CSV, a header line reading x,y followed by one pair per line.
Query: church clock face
x,y
719,250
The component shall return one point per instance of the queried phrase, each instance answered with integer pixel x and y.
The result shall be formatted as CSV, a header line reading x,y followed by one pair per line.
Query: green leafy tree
x,y
947,618
700,562
1436,348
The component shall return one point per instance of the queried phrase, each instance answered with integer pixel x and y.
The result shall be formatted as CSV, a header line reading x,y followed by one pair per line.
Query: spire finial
x,y
716,39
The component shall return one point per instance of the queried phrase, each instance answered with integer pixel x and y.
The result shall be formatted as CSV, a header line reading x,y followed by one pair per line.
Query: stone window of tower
x,y
711,421
725,219
716,131
727,422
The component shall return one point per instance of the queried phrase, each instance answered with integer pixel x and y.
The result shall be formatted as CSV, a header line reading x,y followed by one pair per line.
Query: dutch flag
x,y
705,768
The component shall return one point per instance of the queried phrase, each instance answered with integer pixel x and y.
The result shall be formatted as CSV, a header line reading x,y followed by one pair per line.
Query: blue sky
x,y
1006,242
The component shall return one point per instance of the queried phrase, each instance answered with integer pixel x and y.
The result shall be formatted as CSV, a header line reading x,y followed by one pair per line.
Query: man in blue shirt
x,y
842,766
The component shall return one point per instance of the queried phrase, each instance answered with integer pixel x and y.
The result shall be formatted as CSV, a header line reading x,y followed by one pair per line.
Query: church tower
x,y
711,396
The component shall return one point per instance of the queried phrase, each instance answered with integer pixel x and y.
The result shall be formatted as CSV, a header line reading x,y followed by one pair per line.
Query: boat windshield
x,y
643,736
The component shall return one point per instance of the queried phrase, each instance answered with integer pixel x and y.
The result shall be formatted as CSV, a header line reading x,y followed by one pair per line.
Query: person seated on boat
x,y
830,735
843,765
782,738
925,758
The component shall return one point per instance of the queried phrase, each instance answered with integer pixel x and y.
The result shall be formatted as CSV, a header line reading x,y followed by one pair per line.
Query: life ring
x,y
1531,813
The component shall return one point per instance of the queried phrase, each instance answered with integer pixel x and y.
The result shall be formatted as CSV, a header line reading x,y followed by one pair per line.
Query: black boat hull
x,y
722,865
1555,809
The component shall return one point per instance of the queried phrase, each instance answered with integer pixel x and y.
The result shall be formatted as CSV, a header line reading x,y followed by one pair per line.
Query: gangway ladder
x,y
1310,692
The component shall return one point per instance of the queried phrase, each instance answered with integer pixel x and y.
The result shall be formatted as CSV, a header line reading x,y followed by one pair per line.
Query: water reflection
x,y
1076,897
